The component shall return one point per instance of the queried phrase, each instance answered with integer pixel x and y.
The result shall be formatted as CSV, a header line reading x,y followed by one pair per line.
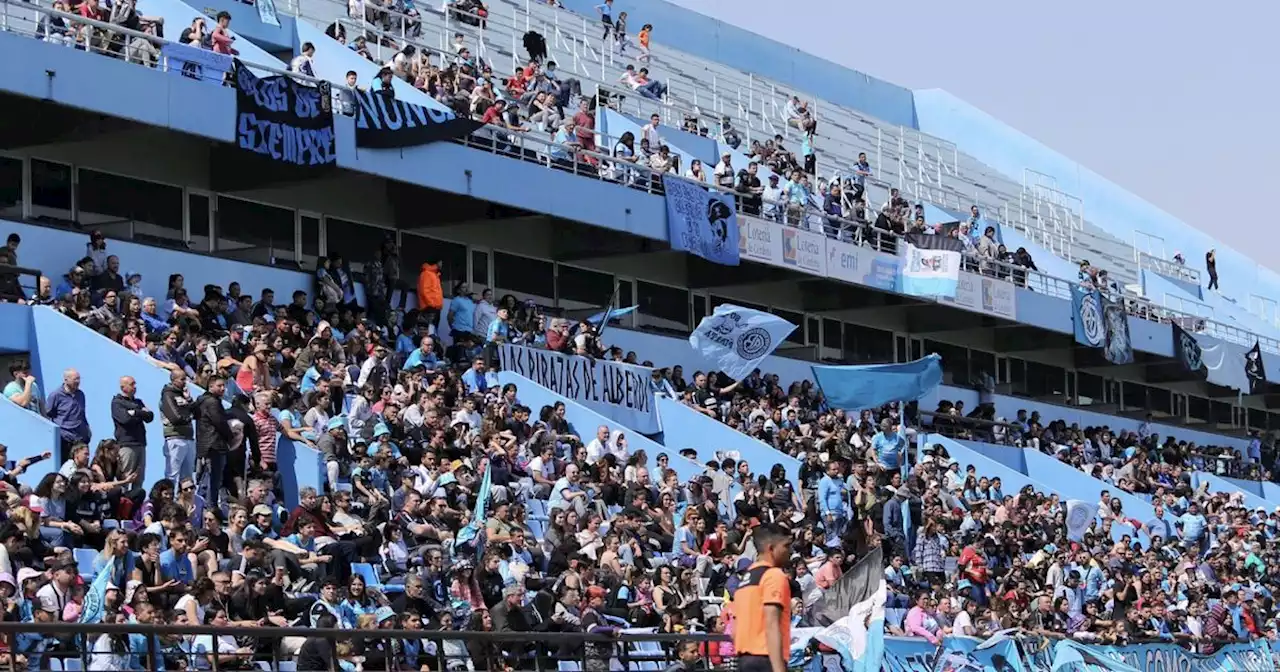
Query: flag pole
x,y
608,310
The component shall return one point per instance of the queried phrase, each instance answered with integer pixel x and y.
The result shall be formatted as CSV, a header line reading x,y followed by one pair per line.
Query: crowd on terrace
x,y
581,533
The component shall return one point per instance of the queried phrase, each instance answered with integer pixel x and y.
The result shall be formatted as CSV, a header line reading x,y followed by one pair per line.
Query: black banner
x,y
283,120
1186,349
382,122
1254,369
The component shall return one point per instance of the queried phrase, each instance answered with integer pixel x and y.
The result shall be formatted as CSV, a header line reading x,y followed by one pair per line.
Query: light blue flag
x,y
613,313
95,598
736,339
702,222
853,388
473,528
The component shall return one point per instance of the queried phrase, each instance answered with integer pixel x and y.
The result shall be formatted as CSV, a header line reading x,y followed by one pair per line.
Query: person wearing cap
x,y
724,173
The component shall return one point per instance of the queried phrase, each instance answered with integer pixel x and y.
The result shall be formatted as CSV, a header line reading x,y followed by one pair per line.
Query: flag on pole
x,y
737,338
96,597
854,609
472,529
1080,515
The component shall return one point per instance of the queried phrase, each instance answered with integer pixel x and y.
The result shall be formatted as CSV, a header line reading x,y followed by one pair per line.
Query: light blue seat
x,y
85,557
369,573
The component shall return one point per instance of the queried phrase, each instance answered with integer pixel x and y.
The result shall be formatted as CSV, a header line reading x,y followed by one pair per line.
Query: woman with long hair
x,y
50,499
161,494
358,601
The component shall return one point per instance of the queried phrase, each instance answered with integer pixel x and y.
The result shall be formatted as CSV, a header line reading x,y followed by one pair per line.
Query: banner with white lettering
x,y
200,64
384,122
620,392
284,120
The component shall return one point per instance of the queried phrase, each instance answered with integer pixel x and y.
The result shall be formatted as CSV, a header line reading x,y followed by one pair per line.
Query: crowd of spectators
x,y
580,533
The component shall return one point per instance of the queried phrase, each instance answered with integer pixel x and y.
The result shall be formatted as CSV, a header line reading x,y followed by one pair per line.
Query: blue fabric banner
x,y
1086,313
95,598
737,339
932,266
702,222
1119,349
867,386
1075,657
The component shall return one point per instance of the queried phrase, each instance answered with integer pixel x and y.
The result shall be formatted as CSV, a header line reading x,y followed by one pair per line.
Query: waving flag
x,y
95,598
1080,515
738,338
856,603
857,387
472,530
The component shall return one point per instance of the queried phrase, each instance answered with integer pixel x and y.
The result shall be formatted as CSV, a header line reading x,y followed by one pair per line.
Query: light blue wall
x,y
333,60
245,21
692,143
300,466
683,427
1008,407
178,15
1107,205
64,344
28,435
709,38
1071,483
584,421
1012,480
1217,484
1155,285
1044,311
115,88
1048,263
15,328
612,125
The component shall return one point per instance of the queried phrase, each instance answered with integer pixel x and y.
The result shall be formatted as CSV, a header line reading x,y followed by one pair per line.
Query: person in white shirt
x,y
599,445
650,131
963,624
55,595
205,647
302,63
468,415
696,171
724,172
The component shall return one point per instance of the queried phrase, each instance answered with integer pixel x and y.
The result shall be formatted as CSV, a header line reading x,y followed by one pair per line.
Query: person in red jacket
x,y
430,294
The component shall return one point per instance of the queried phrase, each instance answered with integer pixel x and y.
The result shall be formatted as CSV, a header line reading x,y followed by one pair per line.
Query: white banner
x,y
861,265
620,392
982,294
186,61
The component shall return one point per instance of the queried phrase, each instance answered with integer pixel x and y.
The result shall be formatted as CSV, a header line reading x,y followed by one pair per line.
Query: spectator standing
x,y
430,294
1211,265
66,409
221,36
176,407
213,440
23,390
303,63
130,416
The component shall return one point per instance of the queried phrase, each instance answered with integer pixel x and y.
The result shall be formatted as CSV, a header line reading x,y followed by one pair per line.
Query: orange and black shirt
x,y
765,585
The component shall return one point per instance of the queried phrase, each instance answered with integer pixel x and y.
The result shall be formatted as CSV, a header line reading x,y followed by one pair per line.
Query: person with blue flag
x,y
832,493
890,444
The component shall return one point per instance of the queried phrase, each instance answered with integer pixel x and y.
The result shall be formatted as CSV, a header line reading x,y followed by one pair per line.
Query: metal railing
x,y
537,651
1171,269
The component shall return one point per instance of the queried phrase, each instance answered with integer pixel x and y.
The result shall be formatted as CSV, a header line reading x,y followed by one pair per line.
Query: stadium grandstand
x,y
542,336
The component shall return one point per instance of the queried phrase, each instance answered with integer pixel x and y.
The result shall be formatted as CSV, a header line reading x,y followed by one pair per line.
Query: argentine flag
x,y
737,339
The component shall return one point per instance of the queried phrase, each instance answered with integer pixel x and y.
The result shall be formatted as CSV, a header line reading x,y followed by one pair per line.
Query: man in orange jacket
x,y
430,294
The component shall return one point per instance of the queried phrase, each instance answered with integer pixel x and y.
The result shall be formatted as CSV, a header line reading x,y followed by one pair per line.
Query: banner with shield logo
x,y
1086,312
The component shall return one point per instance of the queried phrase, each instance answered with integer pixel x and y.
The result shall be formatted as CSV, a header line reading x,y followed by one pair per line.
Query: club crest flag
x,y
932,266
1118,349
738,338
1086,312
701,222
1254,369
1080,515
1187,349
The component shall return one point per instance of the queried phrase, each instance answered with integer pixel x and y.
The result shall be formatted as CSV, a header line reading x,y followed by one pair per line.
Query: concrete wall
x,y
683,427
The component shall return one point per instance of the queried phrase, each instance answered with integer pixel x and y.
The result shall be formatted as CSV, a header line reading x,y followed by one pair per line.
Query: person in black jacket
x,y
213,440
176,406
131,416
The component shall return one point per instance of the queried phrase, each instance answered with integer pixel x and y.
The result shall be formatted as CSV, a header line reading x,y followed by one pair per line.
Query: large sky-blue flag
x,y
478,517
854,388
737,339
